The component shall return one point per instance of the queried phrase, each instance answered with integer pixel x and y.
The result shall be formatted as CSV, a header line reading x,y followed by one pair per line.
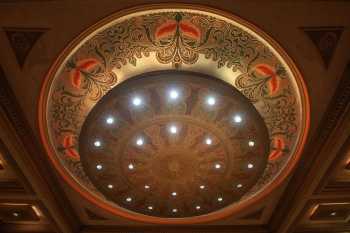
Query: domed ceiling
x,y
173,115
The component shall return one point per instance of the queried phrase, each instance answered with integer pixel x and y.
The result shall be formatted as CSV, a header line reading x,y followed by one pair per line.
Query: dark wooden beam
x,y
318,157
18,138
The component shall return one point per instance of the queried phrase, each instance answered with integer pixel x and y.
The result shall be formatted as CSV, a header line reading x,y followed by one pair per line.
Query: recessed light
x,y
202,187
110,186
139,141
239,185
15,214
173,194
147,186
110,120
131,166
97,143
333,213
211,101
250,165
251,143
237,119
136,101
150,207
220,199
217,166
198,207
128,199
173,94
173,129
174,210
208,141
99,167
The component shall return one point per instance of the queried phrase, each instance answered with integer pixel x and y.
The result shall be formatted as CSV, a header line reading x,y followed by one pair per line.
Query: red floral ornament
x,y
83,65
278,147
189,29
169,29
166,29
268,71
68,145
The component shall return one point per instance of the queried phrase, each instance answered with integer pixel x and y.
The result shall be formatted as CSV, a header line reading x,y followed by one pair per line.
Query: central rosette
x,y
173,144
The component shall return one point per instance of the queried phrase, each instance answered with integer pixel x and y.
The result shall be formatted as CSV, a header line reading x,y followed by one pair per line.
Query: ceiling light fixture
x,y
136,101
237,119
211,101
139,141
110,120
208,141
173,94
173,129
97,143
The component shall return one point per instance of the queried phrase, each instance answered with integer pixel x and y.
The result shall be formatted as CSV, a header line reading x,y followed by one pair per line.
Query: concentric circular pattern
x,y
174,144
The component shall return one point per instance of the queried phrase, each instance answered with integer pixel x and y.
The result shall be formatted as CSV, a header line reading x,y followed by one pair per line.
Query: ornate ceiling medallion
x,y
173,114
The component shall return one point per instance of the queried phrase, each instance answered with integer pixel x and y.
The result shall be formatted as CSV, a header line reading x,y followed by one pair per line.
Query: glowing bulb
x,y
250,165
128,199
15,214
208,141
139,142
147,186
174,210
97,143
198,207
237,119
174,94
211,101
136,101
173,194
131,166
239,185
110,186
110,120
202,187
217,166
333,213
173,129
99,167
220,199
150,207
251,143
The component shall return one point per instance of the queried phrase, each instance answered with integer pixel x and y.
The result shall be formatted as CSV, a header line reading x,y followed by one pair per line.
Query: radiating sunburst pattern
x,y
174,140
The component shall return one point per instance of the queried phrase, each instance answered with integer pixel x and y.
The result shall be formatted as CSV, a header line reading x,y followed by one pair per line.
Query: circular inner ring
x,y
174,144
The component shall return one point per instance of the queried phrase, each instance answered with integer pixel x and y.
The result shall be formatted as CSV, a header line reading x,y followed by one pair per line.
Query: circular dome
x,y
173,114
173,140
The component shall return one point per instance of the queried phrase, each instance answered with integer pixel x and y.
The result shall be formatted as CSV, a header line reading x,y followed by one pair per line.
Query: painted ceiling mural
x,y
238,131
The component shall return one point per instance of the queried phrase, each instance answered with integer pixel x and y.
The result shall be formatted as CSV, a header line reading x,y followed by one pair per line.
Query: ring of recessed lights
x,y
202,40
162,141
